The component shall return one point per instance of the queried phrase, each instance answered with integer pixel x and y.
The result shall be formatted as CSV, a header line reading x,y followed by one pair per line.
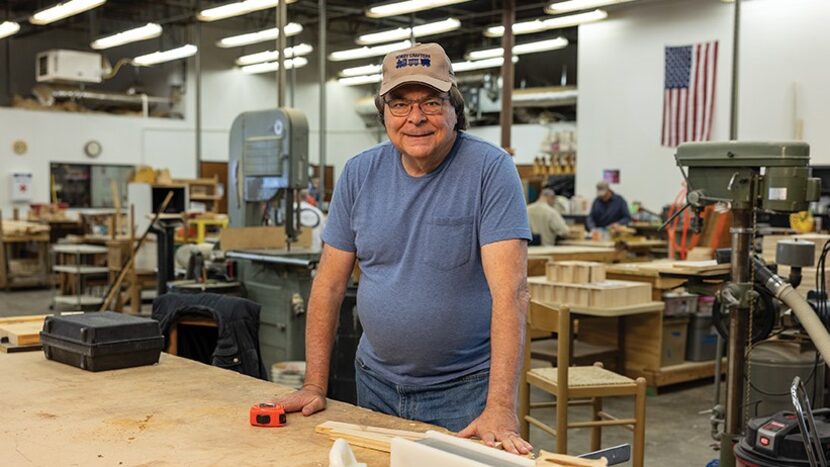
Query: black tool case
x,y
102,341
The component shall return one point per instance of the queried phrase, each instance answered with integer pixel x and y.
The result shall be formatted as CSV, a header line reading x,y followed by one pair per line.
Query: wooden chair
x,y
586,385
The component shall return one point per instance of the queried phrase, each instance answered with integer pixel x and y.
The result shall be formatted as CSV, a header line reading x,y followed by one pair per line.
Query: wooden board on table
x,y
21,228
5,347
22,319
18,334
259,238
369,437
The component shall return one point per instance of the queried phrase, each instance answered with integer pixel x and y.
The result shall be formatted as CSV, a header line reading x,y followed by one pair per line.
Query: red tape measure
x,y
267,414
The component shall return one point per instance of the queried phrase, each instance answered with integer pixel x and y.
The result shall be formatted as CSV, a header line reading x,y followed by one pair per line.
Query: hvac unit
x,y
68,66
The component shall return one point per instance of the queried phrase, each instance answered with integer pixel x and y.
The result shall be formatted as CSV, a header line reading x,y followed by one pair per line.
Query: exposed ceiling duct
x,y
48,95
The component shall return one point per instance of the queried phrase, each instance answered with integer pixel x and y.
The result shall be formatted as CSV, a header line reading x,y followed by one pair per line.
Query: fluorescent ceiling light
x,y
358,80
148,31
237,8
576,5
538,25
64,10
428,29
519,49
361,71
270,34
365,52
407,6
166,56
272,55
459,67
274,66
8,28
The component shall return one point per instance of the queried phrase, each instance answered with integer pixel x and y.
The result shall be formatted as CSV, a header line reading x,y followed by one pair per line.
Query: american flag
x,y
689,93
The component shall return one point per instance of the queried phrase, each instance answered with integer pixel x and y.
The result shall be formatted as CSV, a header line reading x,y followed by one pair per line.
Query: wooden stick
x,y
123,272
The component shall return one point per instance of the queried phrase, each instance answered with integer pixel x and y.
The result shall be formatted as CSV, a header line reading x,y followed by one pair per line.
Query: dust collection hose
x,y
803,311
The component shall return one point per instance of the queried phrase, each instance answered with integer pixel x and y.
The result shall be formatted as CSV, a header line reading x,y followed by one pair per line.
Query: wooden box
x,y
575,272
605,294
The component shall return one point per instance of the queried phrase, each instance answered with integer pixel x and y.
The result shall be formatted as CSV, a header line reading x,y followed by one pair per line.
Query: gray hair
x,y
456,100
548,192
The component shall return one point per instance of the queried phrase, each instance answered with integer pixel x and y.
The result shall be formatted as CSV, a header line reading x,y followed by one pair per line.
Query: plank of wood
x,y
5,347
551,459
369,437
259,238
26,333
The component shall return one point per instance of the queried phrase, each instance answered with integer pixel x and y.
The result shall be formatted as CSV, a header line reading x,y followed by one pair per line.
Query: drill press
x,y
746,177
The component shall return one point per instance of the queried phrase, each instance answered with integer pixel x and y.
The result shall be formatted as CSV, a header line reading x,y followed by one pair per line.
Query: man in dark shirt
x,y
608,210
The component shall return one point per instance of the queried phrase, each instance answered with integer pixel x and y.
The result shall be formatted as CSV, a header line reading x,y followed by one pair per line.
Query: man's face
x,y
419,135
605,195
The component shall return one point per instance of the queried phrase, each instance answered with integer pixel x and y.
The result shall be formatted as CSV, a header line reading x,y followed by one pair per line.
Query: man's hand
x,y
498,424
309,400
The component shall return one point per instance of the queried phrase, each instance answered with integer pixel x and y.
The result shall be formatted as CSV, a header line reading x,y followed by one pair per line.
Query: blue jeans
x,y
452,405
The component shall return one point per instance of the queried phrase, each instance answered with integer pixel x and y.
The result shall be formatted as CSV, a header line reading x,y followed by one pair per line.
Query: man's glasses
x,y
428,106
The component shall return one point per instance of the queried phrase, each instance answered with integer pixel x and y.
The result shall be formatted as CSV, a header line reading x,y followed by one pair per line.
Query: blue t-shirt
x,y
423,299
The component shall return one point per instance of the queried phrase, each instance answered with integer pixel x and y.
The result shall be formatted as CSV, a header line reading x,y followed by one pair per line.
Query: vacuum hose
x,y
803,311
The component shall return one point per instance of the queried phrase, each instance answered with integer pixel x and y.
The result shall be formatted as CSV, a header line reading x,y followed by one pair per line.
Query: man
x,y
545,220
436,218
608,210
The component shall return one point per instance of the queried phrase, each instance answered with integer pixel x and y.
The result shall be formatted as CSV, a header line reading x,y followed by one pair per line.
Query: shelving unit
x,y
77,266
203,190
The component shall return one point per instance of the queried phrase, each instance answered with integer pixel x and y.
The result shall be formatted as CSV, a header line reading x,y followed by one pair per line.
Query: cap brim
x,y
438,84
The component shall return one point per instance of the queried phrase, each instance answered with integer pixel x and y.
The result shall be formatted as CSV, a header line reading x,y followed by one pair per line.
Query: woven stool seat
x,y
583,376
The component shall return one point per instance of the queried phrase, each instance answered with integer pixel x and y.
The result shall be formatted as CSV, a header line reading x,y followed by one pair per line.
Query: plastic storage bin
x,y
674,340
679,303
702,341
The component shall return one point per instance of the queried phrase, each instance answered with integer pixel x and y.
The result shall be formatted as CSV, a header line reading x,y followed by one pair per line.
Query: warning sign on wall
x,y
21,186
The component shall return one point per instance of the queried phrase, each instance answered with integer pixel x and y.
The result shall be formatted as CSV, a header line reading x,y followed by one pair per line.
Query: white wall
x,y
526,139
60,137
619,108
785,44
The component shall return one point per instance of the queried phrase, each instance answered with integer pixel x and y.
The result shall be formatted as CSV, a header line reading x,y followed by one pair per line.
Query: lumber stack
x,y
575,272
583,283
12,228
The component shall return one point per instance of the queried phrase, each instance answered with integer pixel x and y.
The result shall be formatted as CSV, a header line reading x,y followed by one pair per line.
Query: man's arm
x,y
505,267
626,213
327,293
590,221
558,224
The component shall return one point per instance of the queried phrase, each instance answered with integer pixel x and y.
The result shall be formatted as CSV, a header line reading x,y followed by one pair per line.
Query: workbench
x,y
178,412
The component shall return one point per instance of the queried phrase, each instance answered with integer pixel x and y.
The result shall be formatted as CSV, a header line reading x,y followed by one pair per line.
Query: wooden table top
x,y
612,243
178,412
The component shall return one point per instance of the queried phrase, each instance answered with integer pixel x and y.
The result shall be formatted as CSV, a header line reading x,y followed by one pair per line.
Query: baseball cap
x,y
422,63
602,187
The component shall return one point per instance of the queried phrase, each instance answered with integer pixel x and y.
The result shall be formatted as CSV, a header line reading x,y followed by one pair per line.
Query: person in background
x,y
313,192
545,220
312,218
608,209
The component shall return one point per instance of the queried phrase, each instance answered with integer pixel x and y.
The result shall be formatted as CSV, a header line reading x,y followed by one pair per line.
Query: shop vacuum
x,y
796,438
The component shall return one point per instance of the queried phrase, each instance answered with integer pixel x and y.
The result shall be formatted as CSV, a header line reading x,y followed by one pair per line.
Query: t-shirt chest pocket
x,y
448,242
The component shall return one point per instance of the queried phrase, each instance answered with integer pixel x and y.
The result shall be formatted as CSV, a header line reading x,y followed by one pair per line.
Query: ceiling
x,y
346,20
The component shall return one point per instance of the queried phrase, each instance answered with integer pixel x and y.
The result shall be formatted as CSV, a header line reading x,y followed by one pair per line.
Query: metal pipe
x,y
321,47
733,121
46,95
198,130
310,264
282,13
506,117
738,319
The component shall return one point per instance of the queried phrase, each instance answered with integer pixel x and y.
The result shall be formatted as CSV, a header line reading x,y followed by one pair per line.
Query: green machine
x,y
268,165
747,177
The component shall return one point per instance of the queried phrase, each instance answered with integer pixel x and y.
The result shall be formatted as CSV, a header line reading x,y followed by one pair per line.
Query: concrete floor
x,y
676,433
